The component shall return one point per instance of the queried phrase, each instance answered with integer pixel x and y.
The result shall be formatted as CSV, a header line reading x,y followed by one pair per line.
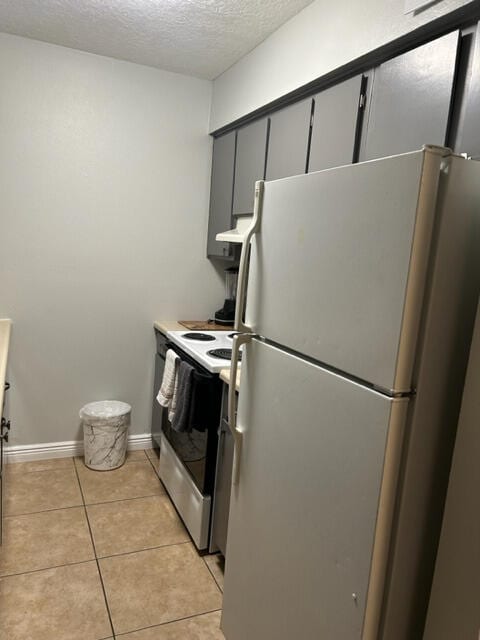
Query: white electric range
x,y
211,349
188,459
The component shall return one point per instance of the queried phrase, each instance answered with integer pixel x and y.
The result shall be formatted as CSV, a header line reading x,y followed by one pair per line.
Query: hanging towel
x,y
172,407
167,388
185,389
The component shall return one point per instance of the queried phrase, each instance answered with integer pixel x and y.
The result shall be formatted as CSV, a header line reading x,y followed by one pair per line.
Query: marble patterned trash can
x,y
105,430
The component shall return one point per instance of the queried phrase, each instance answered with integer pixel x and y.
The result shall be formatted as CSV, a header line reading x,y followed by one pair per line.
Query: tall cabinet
x,y
288,140
221,194
249,164
410,104
336,120
238,161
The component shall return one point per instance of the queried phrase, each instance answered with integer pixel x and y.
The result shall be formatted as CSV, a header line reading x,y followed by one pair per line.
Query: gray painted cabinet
x,y
249,164
334,125
288,140
411,99
221,193
408,104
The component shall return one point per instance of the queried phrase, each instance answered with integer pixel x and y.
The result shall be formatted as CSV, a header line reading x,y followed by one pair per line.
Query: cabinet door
x,y
249,165
334,125
470,134
221,192
288,140
411,99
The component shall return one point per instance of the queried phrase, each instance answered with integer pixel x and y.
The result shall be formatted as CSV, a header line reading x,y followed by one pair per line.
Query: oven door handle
x,y
238,341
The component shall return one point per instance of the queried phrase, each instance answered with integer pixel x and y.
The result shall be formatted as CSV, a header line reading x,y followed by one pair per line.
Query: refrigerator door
x,y
338,265
310,517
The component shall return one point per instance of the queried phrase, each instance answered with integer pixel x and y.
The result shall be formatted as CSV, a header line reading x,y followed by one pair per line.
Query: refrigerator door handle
x,y
242,269
238,340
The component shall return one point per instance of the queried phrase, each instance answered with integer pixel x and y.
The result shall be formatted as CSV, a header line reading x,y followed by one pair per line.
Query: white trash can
x,y
105,427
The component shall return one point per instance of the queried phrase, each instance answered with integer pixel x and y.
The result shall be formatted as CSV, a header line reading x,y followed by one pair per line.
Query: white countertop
x,y
168,325
225,376
5,328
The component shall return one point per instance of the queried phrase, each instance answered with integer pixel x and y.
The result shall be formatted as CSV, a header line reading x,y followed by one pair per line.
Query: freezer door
x,y
319,455
337,269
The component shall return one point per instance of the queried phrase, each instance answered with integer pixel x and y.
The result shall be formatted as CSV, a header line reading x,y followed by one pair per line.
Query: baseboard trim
x,y
70,448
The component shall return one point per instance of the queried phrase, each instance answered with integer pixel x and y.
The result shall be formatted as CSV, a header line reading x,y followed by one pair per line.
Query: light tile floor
x,y
91,555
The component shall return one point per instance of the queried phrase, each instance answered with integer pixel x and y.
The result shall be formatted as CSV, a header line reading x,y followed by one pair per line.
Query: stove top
x,y
212,349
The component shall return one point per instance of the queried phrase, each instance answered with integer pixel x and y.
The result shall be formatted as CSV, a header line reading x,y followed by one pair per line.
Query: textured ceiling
x,y
196,37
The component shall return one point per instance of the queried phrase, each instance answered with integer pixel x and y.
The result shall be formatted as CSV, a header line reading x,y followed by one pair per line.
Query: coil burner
x,y
223,354
201,337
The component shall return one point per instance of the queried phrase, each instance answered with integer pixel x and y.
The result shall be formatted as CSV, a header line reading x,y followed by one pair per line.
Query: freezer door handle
x,y
242,269
238,340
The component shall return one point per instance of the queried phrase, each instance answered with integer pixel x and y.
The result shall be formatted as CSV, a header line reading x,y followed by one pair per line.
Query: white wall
x,y
104,186
322,37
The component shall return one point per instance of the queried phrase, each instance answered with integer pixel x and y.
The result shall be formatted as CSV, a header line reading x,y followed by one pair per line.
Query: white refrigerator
x,y
359,285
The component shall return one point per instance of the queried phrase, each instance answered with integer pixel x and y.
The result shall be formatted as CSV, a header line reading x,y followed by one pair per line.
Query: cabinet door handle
x,y
4,436
5,424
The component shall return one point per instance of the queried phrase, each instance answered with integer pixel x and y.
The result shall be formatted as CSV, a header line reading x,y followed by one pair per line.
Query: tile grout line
x,y
95,552
56,468
129,553
83,504
113,555
33,513
213,576
153,466
23,471
65,467
164,490
163,624
149,495
55,566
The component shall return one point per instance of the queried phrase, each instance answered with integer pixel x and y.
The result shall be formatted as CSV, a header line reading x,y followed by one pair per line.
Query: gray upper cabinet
x,y
411,99
470,136
249,164
288,140
221,193
334,125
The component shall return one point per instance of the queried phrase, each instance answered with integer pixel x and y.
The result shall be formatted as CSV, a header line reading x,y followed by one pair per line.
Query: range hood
x,y
238,233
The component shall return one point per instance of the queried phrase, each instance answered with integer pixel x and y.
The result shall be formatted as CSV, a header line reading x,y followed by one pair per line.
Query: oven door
x,y
197,449
188,460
